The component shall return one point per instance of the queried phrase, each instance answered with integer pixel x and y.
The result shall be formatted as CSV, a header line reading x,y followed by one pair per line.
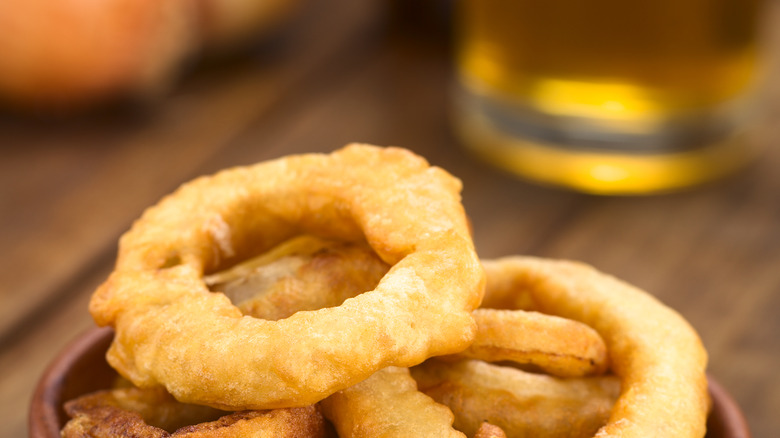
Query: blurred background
x,y
105,111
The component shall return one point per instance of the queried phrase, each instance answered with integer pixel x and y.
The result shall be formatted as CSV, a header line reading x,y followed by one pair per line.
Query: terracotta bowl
x,y
81,368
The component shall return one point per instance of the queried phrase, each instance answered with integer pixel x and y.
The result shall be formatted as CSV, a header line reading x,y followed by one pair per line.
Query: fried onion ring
x,y
307,272
520,403
558,346
171,330
657,355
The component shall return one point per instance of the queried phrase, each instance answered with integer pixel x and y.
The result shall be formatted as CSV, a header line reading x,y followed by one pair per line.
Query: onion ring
x,y
556,345
519,402
172,331
307,272
657,355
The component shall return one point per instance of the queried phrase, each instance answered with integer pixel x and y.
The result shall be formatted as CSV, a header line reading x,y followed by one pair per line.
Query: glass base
x,y
599,158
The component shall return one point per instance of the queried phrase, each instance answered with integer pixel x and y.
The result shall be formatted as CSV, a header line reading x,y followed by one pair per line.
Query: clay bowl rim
x,y
46,416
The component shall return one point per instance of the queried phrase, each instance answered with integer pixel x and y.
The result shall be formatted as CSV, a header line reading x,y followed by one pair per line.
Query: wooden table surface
x,y
345,72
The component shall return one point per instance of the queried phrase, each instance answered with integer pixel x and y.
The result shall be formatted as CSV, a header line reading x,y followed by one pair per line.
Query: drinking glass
x,y
608,96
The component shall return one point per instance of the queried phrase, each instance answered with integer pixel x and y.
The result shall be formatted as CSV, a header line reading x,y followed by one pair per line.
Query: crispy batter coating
x,y
388,405
66,55
522,404
172,331
558,346
657,355
301,274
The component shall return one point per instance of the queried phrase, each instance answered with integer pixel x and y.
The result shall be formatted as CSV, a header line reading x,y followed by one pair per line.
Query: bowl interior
x,y
82,368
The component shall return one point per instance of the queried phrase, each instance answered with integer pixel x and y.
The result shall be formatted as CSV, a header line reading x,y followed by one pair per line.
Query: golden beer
x,y
608,96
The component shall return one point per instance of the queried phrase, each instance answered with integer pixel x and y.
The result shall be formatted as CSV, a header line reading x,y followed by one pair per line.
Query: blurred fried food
x,y
307,285
65,54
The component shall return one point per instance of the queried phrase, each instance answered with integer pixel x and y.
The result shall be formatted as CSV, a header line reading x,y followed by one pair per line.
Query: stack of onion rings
x,y
310,283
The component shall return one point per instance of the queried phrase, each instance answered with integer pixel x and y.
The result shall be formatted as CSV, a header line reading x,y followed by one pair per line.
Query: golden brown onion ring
x,y
307,272
68,54
559,346
171,330
520,403
657,355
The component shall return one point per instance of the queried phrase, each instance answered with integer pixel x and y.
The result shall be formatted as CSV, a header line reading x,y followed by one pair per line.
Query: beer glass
x,y
608,96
